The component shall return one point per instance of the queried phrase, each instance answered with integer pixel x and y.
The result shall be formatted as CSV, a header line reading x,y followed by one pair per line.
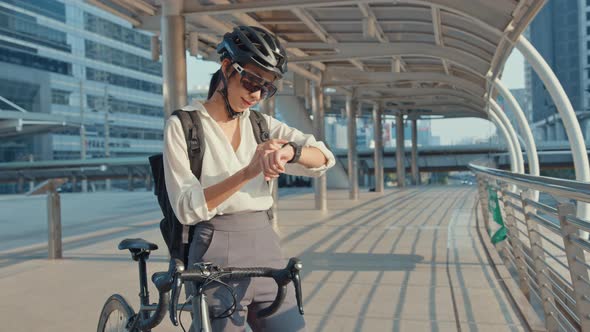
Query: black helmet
x,y
248,44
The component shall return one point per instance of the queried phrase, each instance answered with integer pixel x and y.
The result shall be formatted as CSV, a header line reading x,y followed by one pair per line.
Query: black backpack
x,y
176,235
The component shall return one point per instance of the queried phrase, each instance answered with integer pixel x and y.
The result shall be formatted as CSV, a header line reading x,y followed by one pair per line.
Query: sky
x,y
513,78
199,72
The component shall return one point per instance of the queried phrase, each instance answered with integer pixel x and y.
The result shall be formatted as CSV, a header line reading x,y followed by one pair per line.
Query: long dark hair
x,y
214,83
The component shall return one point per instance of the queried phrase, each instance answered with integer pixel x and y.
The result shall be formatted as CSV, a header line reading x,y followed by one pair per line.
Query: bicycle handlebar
x,y
205,272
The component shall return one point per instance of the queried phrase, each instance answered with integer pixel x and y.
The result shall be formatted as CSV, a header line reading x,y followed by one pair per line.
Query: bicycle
x,y
118,315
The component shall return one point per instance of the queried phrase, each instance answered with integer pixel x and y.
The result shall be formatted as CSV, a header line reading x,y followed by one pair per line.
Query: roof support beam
x,y
438,34
140,5
313,25
319,31
398,64
135,22
337,78
363,51
368,13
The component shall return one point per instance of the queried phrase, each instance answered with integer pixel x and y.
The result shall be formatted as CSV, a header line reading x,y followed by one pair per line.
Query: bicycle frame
x,y
198,306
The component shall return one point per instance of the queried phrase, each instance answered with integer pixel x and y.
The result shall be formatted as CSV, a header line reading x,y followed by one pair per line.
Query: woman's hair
x,y
215,78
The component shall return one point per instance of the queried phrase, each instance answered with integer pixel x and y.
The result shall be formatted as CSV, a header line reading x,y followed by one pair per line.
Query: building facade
x,y
70,58
560,33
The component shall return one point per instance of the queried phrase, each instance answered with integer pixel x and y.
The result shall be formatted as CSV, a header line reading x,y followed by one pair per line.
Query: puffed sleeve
x,y
280,130
185,192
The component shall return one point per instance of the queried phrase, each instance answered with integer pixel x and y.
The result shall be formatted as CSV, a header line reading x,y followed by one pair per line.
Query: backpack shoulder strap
x,y
195,142
259,126
262,134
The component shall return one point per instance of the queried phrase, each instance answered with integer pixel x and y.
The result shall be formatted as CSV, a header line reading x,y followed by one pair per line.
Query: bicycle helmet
x,y
248,44
255,45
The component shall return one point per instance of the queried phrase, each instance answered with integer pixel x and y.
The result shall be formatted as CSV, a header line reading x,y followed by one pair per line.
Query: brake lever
x,y
176,290
296,267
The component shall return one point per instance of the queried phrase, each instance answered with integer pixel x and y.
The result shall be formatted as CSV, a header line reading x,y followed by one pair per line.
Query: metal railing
x,y
546,244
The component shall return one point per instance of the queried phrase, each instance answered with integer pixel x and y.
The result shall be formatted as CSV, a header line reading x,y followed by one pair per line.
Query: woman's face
x,y
241,99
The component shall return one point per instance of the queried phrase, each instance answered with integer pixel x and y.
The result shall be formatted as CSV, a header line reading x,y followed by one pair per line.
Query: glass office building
x,y
70,58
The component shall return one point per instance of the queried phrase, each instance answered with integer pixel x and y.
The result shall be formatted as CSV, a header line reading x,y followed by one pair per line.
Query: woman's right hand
x,y
260,163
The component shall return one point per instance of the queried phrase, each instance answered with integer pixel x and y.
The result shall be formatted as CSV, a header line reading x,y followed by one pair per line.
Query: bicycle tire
x,y
115,314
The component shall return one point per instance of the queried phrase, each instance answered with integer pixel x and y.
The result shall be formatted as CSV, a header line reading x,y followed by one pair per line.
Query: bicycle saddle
x,y
136,245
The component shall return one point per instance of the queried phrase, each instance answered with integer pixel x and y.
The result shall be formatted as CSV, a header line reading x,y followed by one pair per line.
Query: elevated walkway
x,y
406,260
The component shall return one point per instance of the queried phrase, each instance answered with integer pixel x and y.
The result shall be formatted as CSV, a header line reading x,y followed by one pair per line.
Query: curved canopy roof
x,y
436,57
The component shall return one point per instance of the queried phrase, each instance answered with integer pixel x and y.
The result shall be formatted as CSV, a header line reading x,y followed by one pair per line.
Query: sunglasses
x,y
252,83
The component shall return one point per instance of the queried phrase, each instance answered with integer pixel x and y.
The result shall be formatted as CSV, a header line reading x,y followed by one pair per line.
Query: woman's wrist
x,y
295,152
290,149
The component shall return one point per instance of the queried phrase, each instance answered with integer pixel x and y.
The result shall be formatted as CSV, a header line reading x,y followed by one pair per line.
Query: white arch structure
x,y
435,57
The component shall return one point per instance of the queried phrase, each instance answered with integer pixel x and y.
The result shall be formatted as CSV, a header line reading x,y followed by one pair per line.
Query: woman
x,y
228,204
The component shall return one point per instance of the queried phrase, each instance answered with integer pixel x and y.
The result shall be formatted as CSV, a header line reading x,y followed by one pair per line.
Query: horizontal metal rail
x,y
582,224
541,206
555,244
545,223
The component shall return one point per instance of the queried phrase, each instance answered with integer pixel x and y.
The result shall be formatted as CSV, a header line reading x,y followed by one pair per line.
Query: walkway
x,y
407,260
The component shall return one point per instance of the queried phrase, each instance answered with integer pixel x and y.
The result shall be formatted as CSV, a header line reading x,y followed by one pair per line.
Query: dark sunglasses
x,y
252,83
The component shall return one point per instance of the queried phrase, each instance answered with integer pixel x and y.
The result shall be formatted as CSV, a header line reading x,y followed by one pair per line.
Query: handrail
x,y
569,188
558,275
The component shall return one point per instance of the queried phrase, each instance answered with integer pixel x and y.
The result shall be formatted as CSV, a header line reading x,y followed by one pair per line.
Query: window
x,y
107,54
114,31
25,27
35,61
60,97
123,81
50,8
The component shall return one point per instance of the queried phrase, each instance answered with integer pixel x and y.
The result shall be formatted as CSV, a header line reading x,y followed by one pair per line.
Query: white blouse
x,y
186,192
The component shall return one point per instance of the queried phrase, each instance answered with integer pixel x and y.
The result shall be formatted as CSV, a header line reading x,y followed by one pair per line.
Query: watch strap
x,y
297,152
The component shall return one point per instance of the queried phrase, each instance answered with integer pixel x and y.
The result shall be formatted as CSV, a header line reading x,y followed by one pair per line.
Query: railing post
x,y
514,239
54,224
49,187
541,272
576,262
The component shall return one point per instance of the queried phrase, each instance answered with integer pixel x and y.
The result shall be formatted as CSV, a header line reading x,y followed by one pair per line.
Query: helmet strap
x,y
223,91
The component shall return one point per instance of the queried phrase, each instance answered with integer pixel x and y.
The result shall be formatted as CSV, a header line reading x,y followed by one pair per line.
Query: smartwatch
x,y
297,154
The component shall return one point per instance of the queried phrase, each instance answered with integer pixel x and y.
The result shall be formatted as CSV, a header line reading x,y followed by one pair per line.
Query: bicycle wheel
x,y
115,314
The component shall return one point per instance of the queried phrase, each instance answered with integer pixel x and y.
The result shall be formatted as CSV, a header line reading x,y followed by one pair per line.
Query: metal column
x,y
378,125
317,105
173,56
268,107
82,133
107,143
566,112
400,150
513,161
495,108
525,129
415,171
351,112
